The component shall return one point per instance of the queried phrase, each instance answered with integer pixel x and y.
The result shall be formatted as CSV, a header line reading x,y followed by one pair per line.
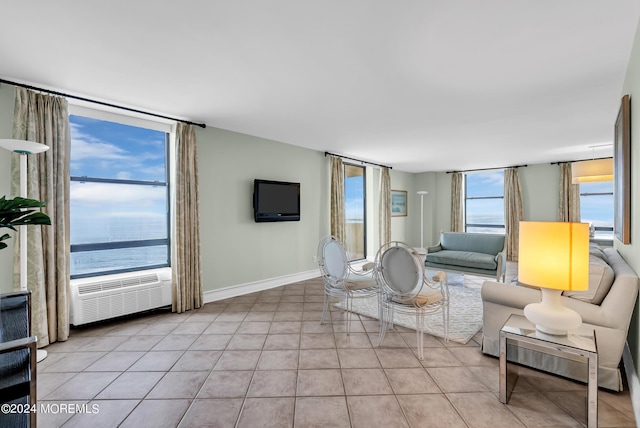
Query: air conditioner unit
x,y
109,296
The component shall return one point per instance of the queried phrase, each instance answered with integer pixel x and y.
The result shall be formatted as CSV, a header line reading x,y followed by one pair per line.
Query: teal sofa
x,y
480,254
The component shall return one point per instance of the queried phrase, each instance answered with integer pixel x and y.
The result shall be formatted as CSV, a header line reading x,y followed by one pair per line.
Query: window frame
x,y
167,129
467,225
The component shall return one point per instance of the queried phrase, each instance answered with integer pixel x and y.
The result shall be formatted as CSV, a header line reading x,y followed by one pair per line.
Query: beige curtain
x,y
337,199
186,270
569,196
45,119
384,206
512,211
457,217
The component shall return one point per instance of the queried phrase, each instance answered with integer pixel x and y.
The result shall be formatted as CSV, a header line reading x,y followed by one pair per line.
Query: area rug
x,y
465,314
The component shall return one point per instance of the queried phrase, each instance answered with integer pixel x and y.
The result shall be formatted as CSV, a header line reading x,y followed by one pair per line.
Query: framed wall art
x,y
622,173
398,203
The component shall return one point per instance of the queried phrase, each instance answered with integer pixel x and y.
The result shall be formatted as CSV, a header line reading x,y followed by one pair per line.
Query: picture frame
x,y
398,203
622,173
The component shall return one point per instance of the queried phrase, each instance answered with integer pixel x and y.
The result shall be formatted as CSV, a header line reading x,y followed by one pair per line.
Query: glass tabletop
x,y
583,338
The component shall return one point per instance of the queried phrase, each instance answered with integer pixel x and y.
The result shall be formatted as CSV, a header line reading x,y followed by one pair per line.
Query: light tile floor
x,y
264,360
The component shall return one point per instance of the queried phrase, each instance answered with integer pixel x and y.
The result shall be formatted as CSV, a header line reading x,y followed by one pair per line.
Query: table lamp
x,y
555,257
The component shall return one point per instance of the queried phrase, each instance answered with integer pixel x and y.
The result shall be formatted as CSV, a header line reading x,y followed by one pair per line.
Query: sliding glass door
x,y
354,191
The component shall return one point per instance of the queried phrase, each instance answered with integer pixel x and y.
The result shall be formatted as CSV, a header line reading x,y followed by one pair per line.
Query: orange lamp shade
x,y
554,255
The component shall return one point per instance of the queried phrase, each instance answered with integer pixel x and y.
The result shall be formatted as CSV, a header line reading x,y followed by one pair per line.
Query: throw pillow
x,y
601,277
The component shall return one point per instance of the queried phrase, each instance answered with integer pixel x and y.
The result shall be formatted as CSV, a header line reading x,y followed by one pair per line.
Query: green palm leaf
x,y
20,212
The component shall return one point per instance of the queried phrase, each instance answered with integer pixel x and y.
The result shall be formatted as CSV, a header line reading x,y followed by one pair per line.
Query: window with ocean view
x,y
484,202
596,208
354,207
119,195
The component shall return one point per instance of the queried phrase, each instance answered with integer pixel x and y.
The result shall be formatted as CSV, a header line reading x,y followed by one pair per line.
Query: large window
x,y
354,207
484,202
596,208
119,207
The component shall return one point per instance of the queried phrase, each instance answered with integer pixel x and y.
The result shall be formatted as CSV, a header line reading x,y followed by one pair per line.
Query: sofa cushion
x,y
464,258
601,277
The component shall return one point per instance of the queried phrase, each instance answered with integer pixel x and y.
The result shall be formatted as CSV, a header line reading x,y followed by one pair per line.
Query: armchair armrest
x,y
13,345
501,260
509,295
434,248
368,266
365,269
16,294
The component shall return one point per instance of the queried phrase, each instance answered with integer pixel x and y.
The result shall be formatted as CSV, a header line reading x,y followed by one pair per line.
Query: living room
x,y
240,256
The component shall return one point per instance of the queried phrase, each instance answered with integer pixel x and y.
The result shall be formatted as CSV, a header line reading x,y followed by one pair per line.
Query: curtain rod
x,y
62,94
488,169
357,160
580,160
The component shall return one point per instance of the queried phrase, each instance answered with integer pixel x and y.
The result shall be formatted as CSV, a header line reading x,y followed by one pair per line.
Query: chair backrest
x,y
15,315
332,258
399,269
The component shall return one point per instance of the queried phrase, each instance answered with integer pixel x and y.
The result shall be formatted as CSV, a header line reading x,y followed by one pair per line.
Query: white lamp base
x,y
550,316
41,354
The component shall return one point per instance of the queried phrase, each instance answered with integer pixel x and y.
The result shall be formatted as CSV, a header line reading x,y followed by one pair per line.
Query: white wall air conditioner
x,y
109,296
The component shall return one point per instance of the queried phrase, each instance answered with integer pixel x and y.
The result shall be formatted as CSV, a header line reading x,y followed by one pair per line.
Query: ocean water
x,y
89,262
116,230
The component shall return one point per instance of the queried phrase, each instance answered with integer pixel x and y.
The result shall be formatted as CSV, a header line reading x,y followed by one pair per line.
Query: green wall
x,y
236,250
631,253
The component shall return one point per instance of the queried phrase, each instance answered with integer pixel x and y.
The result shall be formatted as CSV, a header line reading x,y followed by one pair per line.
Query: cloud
x,y
92,156
492,177
85,150
139,214
123,175
106,194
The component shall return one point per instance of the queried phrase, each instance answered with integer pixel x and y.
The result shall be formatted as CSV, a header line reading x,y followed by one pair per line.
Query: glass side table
x,y
577,345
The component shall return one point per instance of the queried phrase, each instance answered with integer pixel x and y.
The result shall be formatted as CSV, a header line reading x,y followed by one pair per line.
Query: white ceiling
x,y
421,85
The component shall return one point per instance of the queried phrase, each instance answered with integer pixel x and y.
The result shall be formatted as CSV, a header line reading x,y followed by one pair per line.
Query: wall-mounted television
x,y
276,201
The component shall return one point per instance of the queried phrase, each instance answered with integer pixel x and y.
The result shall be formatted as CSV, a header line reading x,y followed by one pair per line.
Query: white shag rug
x,y
465,314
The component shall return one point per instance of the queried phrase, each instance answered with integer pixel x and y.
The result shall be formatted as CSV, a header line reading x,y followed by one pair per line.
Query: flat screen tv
x,y
276,201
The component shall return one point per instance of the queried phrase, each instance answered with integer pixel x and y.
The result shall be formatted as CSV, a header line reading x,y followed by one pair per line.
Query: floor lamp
x,y
422,193
24,148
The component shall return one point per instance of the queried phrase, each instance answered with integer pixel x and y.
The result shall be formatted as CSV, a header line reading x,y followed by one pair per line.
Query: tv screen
x,y
276,201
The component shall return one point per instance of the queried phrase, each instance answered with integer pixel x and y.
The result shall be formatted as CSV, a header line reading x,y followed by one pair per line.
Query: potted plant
x,y
20,212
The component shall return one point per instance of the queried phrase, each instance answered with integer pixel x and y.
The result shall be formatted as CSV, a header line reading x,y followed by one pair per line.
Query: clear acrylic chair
x,y
405,288
341,279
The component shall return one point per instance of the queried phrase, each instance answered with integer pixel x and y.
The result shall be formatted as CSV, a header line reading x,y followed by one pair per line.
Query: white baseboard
x,y
632,380
252,287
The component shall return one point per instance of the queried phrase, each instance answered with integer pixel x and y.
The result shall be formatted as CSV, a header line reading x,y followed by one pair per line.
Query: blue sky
x,y
354,198
103,212
597,209
112,150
